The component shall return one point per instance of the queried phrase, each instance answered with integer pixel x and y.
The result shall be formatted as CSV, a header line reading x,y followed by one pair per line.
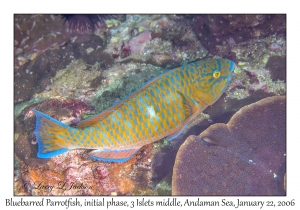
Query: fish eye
x,y
216,74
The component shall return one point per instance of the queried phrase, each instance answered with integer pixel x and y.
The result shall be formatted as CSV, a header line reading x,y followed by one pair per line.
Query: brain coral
x,y
246,156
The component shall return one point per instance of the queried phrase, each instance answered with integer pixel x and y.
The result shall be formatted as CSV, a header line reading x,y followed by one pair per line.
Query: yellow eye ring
x,y
216,74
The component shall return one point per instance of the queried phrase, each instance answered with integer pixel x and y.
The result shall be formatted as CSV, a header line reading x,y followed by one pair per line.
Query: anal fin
x,y
119,156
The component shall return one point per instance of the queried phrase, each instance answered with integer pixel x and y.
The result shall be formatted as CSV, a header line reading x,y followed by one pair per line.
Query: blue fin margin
x,y
38,128
107,155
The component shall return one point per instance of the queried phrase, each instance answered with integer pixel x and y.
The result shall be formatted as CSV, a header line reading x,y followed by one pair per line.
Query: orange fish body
x,y
162,107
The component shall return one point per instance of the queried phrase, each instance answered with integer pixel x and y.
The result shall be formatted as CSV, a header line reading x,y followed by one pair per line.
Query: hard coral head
x,y
246,156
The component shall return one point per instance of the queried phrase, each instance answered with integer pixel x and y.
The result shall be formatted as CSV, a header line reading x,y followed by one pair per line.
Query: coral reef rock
x,y
42,46
213,30
246,156
75,173
164,40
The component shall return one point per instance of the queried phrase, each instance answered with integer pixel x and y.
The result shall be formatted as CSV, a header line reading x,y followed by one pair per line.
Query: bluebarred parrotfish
x,y
161,108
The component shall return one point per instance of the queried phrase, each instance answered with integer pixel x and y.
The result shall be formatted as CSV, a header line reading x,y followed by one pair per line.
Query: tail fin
x,y
51,135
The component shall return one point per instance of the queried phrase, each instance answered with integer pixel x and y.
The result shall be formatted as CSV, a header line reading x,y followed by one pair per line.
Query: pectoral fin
x,y
189,105
113,155
191,109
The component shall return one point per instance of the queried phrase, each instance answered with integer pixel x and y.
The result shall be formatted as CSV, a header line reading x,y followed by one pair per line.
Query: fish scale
x,y
162,107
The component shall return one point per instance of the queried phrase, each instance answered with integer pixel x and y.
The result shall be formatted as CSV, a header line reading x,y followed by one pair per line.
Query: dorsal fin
x,y
94,120
97,118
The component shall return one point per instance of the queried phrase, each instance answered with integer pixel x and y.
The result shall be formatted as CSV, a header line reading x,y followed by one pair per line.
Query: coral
x,y
155,39
19,188
260,68
75,173
164,187
43,46
246,156
30,38
126,186
85,23
252,80
257,52
275,47
277,67
139,42
72,82
101,172
32,41
214,30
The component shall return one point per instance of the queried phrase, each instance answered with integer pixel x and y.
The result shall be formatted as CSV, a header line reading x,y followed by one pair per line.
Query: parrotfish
x,y
161,108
